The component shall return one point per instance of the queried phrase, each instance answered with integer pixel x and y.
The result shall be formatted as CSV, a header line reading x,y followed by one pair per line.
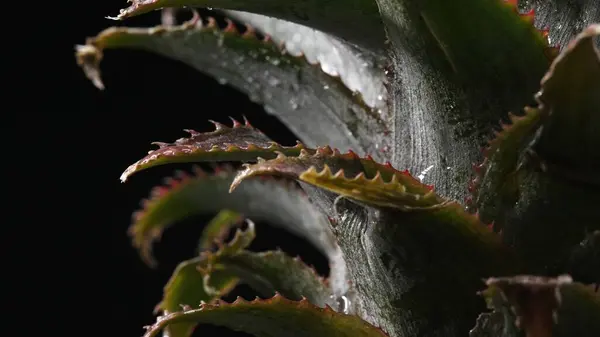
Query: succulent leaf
x,y
275,271
551,153
458,67
583,262
313,103
569,141
212,275
360,179
496,174
314,14
272,317
414,259
193,283
216,230
547,307
360,70
494,325
276,202
242,142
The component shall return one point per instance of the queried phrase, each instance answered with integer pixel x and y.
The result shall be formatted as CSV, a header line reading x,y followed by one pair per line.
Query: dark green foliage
x,y
406,259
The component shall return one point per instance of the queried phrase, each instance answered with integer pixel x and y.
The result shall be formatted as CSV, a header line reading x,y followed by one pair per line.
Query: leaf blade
x,y
360,179
312,13
569,96
446,96
283,83
546,306
274,316
236,143
202,193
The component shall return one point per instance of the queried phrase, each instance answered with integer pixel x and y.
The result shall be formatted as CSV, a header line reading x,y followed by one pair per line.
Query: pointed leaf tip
x,y
272,317
360,179
279,203
241,142
88,58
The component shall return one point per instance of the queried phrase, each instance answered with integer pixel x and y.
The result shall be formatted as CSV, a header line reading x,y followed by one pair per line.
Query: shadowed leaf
x,y
570,138
216,230
212,275
313,13
299,93
424,266
360,70
539,176
192,283
494,187
273,317
458,67
547,307
360,179
277,202
237,143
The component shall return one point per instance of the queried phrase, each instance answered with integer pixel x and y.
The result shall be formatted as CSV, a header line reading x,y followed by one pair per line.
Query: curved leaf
x,y
547,307
276,202
237,143
360,70
583,262
275,316
315,14
424,267
544,157
279,203
191,283
570,138
419,244
360,179
212,275
216,230
274,271
452,81
298,92
494,187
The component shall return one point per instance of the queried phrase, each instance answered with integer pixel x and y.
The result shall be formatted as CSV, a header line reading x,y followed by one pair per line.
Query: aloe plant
x,y
389,98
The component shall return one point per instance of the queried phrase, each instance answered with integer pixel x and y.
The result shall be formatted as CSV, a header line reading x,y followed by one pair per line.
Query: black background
x,y
66,144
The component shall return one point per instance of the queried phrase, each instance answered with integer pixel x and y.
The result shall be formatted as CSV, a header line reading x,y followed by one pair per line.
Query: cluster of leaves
x,y
419,85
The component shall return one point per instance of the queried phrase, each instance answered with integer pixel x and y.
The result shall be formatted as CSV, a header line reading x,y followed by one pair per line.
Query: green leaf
x,y
360,179
195,282
539,177
237,143
583,262
213,275
495,187
424,266
360,70
547,307
216,230
279,203
315,14
458,67
273,317
319,107
569,141
421,242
